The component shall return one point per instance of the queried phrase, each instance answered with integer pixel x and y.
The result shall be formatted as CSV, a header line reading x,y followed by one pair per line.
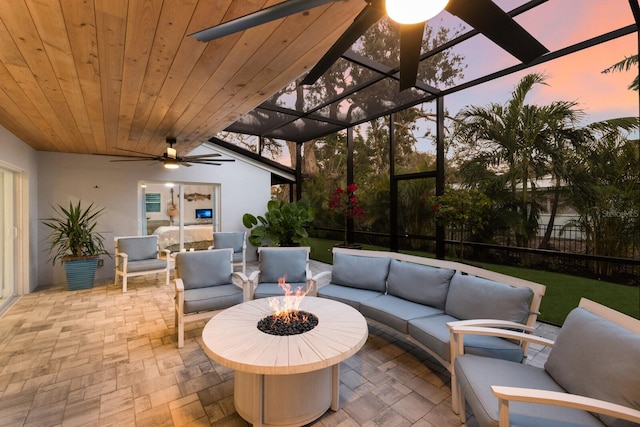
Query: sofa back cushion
x,y
139,248
472,297
202,269
419,283
360,272
229,239
290,263
597,358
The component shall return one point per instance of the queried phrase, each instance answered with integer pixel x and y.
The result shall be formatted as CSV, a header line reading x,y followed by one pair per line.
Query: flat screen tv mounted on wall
x,y
204,213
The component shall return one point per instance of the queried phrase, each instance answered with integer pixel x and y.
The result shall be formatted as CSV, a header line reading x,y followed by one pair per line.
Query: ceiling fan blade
x,y
207,162
280,10
488,18
369,16
410,44
133,159
138,152
202,156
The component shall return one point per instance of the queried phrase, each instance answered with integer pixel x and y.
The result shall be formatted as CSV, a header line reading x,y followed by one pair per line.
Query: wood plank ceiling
x,y
86,76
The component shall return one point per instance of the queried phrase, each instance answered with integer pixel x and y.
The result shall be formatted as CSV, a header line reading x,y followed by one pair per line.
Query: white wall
x,y
115,186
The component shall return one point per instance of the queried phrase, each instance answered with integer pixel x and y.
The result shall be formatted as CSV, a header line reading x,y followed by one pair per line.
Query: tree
x,y
463,211
625,65
607,197
511,146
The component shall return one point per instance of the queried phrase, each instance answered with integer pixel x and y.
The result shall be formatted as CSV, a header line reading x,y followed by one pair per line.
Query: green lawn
x,y
563,291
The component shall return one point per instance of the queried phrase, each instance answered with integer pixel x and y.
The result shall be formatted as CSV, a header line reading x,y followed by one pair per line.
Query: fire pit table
x,y
285,380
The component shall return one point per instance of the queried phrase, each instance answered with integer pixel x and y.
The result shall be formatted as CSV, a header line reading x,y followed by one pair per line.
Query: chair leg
x,y
124,284
180,328
460,403
454,395
167,278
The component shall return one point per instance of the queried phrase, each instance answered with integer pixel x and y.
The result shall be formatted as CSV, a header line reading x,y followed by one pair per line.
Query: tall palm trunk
x,y
544,244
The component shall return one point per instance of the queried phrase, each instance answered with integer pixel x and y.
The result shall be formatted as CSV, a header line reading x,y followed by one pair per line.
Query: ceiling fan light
x,y
414,11
171,153
171,164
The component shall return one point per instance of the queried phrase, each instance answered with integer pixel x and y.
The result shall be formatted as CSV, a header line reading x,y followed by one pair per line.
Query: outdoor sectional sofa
x,y
419,296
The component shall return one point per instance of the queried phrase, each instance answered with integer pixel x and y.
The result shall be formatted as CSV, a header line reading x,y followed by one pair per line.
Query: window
x,y
152,202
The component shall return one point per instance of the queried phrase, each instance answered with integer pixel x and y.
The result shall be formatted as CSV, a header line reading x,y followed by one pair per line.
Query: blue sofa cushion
x,y
211,298
202,269
139,248
419,283
472,297
229,239
360,272
597,358
477,374
290,264
433,333
264,290
351,296
395,312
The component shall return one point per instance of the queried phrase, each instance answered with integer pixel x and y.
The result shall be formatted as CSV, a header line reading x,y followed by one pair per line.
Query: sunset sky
x,y
577,77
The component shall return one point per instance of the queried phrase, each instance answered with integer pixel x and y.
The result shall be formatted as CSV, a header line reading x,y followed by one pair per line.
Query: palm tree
x,y
514,145
625,65
608,195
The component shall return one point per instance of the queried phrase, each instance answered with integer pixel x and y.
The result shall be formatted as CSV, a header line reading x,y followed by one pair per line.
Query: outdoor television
x,y
204,213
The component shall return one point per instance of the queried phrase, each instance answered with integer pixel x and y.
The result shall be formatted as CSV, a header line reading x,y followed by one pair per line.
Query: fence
x,y
567,253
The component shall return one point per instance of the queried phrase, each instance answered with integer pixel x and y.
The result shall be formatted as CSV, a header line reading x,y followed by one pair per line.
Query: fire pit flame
x,y
287,308
287,318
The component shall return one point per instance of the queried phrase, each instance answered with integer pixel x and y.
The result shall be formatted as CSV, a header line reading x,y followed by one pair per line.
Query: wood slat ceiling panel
x,y
86,76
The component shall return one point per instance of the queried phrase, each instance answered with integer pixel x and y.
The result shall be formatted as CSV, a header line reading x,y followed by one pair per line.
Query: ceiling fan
x,y
483,15
170,158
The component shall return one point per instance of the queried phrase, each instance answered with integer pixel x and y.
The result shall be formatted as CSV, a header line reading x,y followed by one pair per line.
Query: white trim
x,y
252,162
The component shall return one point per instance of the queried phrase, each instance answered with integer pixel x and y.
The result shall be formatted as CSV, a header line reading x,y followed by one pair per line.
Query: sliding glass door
x,y
8,234
183,215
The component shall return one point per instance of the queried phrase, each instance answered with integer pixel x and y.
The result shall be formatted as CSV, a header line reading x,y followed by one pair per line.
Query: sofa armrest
x,y
179,298
491,323
316,279
166,255
527,395
456,340
458,333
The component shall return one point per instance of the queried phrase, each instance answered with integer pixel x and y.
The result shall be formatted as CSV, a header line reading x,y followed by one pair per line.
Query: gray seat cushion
x,y
360,272
351,296
211,298
433,333
264,290
476,375
419,283
139,248
203,269
597,358
146,265
395,312
472,297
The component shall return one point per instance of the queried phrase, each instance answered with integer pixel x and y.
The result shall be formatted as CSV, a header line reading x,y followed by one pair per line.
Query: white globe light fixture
x,y
414,11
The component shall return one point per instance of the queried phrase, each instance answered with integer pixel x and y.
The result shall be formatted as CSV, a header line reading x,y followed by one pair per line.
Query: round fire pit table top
x,y
233,339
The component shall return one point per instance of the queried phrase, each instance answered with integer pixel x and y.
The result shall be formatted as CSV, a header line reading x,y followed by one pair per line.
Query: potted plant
x,y
75,243
282,224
